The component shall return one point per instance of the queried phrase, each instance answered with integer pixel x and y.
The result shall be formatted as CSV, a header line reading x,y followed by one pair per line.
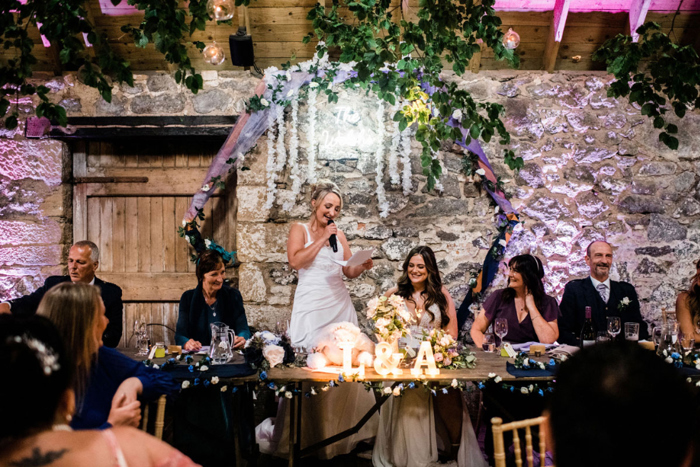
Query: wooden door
x,y
129,199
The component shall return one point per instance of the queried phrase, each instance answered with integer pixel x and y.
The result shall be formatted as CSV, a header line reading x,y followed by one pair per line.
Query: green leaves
x,y
661,72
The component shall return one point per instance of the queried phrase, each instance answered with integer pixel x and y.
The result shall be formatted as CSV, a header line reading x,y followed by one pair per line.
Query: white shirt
x,y
596,282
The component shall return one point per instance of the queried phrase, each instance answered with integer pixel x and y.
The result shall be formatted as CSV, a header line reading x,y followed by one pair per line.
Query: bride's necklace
x,y
61,427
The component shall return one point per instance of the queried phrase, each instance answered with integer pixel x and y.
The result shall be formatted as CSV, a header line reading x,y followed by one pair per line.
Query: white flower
x,y
288,394
206,187
496,209
289,75
563,358
541,365
184,222
224,388
669,360
502,242
497,379
290,93
625,301
532,388
273,354
185,384
445,341
269,337
264,102
383,322
454,383
524,390
155,367
397,391
313,84
698,383
457,114
387,390
204,368
492,375
215,380
207,243
481,172
313,391
697,365
689,380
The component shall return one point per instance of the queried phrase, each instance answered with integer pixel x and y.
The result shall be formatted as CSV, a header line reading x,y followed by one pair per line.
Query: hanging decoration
x,y
221,10
379,159
295,171
271,165
406,174
511,39
214,54
281,132
311,150
394,175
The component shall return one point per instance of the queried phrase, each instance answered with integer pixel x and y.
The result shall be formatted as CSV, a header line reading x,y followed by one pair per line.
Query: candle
x,y
425,357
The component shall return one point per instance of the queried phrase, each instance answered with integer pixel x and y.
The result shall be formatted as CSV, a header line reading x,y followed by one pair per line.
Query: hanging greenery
x,y
654,73
63,22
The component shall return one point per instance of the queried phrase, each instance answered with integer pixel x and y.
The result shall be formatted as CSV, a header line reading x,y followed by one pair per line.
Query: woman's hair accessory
x,y
45,354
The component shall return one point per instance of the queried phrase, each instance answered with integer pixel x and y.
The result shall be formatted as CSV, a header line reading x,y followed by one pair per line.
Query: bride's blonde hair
x,y
324,188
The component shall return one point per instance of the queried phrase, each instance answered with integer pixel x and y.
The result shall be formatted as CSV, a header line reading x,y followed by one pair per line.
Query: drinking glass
x,y
602,336
500,327
687,342
141,338
613,326
489,344
632,331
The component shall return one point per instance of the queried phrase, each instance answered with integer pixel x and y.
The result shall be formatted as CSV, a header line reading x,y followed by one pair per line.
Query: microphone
x,y
333,240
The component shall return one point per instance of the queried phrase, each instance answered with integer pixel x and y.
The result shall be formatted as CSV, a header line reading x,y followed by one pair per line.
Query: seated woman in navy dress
x,y
210,302
532,315
108,384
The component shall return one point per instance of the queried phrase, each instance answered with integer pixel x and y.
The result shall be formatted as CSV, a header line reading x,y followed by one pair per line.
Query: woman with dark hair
x,y
40,402
409,426
210,302
688,306
108,384
532,315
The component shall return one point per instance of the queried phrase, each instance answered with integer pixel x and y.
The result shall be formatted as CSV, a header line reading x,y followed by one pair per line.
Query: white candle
x,y
425,358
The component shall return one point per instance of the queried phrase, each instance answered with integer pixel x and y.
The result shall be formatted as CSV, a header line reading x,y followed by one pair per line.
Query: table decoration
x,y
266,350
391,319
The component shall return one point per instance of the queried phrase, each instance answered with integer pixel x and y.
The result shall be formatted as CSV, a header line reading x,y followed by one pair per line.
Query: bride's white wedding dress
x,y
321,298
406,436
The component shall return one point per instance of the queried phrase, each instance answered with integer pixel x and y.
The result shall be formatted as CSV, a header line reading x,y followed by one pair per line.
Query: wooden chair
x,y
499,451
160,418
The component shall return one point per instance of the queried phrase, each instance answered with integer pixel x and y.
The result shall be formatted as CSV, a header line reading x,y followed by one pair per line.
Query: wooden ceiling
x,y
277,28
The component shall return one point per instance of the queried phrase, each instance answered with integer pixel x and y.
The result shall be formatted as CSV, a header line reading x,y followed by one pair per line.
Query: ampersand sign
x,y
385,361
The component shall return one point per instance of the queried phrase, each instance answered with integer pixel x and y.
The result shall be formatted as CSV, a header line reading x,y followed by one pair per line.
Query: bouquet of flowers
x,y
390,316
449,353
266,350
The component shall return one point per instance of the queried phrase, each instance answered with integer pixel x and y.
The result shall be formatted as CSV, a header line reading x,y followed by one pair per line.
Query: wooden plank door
x,y
134,222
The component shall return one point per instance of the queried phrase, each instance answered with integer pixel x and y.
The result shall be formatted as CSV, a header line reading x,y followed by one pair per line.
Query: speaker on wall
x,y
241,45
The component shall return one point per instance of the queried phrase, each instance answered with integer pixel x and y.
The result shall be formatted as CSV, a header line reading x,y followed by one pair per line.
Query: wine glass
x,y
500,327
614,326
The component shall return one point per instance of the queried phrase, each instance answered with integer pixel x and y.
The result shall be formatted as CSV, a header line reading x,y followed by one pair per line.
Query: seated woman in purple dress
x,y
531,314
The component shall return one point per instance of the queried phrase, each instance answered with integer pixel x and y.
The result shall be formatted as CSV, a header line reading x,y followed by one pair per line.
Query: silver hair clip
x,y
46,355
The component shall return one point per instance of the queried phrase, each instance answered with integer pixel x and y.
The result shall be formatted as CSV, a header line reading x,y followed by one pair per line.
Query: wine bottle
x,y
588,332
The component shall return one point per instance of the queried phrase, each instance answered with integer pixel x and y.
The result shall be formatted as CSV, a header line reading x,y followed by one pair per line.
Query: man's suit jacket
x,y
111,296
580,293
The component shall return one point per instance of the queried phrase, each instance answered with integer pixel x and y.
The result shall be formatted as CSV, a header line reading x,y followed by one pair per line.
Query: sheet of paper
x,y
356,259
525,347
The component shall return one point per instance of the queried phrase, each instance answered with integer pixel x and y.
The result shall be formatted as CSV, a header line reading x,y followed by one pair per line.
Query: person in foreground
x,y
40,401
688,307
605,297
531,314
107,383
618,404
83,261
407,434
210,302
321,298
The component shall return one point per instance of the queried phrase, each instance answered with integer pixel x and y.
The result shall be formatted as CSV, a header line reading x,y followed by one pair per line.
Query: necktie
x,y
603,291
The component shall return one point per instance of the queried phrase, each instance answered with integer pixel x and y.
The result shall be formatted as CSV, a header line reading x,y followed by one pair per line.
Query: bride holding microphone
x,y
321,298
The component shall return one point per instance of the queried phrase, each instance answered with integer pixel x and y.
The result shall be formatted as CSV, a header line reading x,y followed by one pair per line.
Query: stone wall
x,y
594,169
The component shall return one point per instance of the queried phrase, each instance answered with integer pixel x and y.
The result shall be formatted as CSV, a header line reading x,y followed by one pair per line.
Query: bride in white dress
x,y
321,298
407,434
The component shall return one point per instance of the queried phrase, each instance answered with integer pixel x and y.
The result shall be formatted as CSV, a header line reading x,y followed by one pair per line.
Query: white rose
x,y
496,209
383,322
184,222
481,172
387,390
497,379
288,394
445,341
313,391
215,380
289,75
454,383
224,388
524,390
290,93
273,354
264,102
397,391
669,360
492,375
206,187
204,368
502,242
313,84
457,114
207,243
185,384
373,304
626,301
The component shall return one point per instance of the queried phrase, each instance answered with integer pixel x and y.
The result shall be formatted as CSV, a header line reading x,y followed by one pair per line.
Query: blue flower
x,y
263,375
332,383
271,385
444,390
552,362
191,368
540,392
341,379
171,360
235,389
481,385
675,355
206,383
512,389
411,385
196,381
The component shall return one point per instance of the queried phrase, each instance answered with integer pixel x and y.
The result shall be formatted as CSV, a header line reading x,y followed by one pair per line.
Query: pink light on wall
x,y
122,9
611,6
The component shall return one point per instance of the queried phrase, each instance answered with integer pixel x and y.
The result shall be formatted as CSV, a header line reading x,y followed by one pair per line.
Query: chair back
x,y
499,450
160,418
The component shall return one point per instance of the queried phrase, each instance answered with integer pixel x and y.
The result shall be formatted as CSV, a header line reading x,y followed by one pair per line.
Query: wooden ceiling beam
x,y
637,15
556,32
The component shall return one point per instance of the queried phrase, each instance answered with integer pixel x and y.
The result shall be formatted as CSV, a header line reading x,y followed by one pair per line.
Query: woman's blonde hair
x,y
74,308
324,188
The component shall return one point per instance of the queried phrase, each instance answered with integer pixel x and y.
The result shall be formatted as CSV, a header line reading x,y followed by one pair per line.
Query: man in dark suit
x,y
83,260
604,296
